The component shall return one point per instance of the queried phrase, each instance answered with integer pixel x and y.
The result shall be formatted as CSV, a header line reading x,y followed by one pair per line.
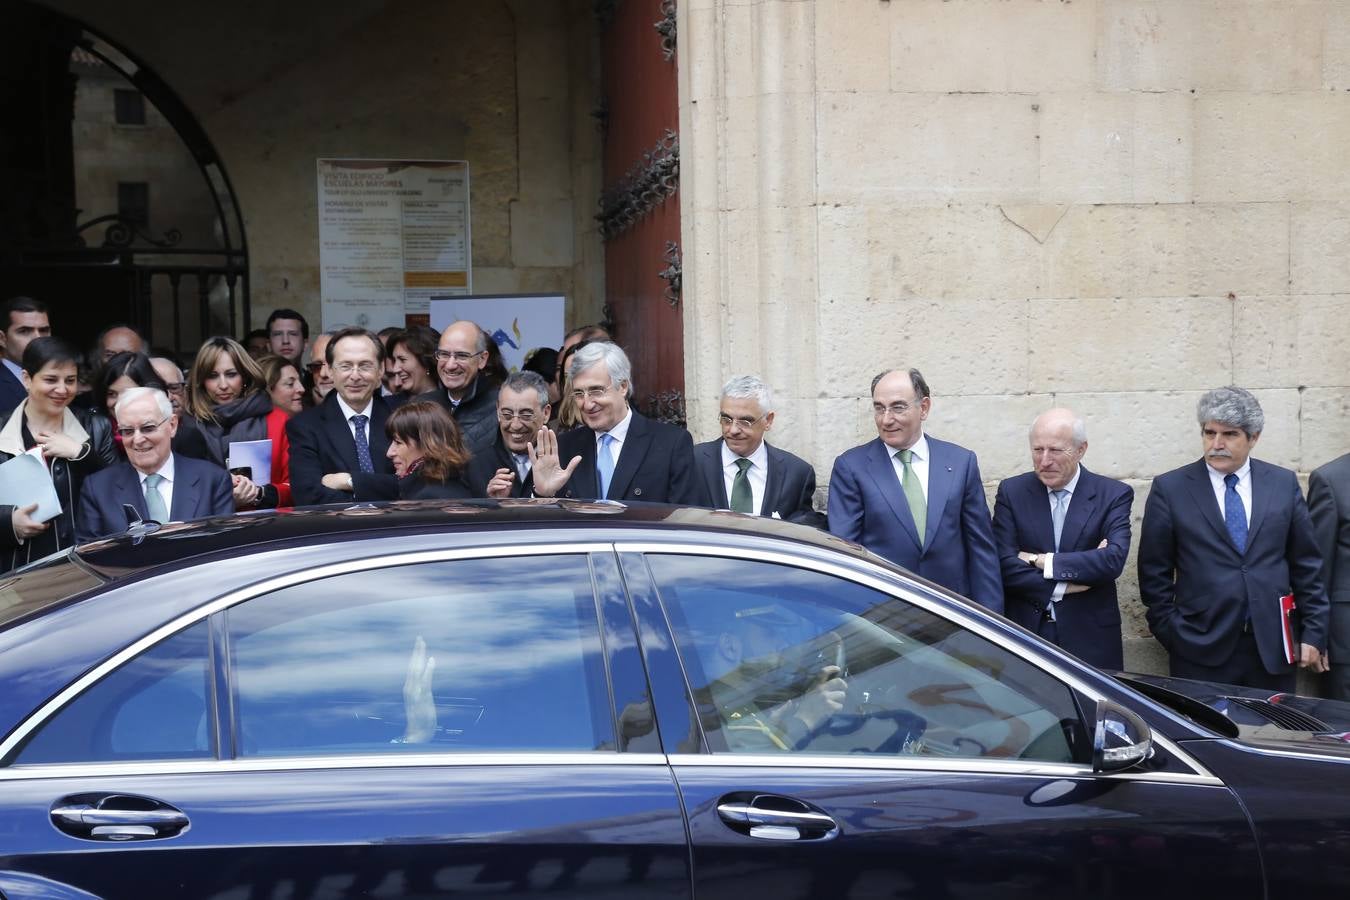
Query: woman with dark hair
x,y
428,453
73,445
123,372
227,402
287,393
494,370
412,359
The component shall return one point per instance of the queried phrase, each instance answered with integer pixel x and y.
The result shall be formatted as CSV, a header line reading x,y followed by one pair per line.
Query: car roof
x,y
145,549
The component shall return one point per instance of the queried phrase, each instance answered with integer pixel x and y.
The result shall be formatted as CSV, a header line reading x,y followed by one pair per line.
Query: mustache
x,y
1219,454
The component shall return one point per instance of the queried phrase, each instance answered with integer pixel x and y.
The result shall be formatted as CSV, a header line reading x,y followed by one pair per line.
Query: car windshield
x,y
45,583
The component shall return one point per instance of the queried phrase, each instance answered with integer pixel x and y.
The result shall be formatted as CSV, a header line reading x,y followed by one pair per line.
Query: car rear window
x,y
43,584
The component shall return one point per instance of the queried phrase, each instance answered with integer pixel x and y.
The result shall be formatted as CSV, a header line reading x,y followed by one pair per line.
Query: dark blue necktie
x,y
1234,514
362,443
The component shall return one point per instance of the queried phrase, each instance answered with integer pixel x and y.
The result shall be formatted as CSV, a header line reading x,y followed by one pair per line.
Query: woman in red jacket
x,y
287,392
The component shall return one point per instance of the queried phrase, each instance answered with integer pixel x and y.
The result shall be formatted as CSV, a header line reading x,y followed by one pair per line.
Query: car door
x,y
859,740
414,726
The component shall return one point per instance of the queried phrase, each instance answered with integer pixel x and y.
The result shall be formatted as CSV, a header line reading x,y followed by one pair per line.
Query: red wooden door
x,y
640,208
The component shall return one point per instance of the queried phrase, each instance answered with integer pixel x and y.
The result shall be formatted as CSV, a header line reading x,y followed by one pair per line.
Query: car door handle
x,y
776,818
117,817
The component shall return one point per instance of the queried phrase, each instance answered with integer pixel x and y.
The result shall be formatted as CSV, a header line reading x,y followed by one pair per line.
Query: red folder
x,y
1287,631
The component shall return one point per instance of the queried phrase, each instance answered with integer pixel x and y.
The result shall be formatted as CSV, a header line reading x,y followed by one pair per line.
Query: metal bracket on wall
x,y
607,321
672,274
666,28
645,186
668,407
122,233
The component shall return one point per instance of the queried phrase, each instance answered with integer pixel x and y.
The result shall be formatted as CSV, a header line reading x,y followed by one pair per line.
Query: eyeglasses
x,y
743,421
148,430
456,355
526,416
365,368
591,393
898,408
314,366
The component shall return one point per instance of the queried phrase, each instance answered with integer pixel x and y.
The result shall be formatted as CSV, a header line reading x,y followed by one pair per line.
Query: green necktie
x,y
742,498
154,500
918,507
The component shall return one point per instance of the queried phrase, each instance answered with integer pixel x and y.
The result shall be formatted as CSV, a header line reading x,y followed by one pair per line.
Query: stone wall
x,y
1109,204
508,85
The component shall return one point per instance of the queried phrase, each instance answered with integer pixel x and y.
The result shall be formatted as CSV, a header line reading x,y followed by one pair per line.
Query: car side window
x,y
467,655
156,706
784,659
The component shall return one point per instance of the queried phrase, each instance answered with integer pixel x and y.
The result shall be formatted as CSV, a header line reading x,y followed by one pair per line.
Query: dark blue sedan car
x,y
578,699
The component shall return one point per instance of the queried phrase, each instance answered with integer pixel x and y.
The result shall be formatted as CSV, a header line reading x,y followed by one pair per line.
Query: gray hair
x,y
748,387
1231,406
921,391
523,381
1078,426
131,395
614,359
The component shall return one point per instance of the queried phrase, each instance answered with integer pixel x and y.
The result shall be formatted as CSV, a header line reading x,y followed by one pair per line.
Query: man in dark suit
x,y
1224,539
24,319
1329,504
1063,534
338,447
617,454
159,484
916,500
504,469
465,392
743,472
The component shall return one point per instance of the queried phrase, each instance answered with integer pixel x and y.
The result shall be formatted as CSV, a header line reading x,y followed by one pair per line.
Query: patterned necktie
x,y
1234,513
742,497
154,500
918,507
604,463
362,443
1057,512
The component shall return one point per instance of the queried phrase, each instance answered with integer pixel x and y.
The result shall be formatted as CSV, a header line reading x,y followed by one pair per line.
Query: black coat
x,y
415,487
485,464
476,414
321,444
68,477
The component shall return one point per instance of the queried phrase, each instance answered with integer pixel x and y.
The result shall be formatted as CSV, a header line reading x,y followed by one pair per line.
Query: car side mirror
x,y
1120,739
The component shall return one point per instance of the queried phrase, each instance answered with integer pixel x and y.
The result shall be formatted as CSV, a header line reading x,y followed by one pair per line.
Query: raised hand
x,y
549,475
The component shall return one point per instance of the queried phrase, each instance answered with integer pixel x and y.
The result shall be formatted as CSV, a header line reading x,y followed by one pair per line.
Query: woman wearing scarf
x,y
227,402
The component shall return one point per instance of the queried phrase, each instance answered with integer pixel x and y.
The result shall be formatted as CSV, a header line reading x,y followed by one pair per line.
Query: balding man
x,y
464,391
1063,534
916,500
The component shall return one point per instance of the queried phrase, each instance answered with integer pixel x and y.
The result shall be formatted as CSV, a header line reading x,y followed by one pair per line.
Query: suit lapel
x,y
710,465
631,454
1041,524
941,480
883,474
378,440
339,433
1202,494
584,483
1260,500
186,490
1081,507
773,480
128,492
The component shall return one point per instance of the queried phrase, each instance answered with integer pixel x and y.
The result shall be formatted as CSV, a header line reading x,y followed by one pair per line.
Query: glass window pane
x,y
473,655
783,659
154,707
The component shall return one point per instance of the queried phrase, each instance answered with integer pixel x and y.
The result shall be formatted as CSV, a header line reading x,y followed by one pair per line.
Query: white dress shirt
x,y
1243,488
165,486
1049,558
918,461
348,412
758,474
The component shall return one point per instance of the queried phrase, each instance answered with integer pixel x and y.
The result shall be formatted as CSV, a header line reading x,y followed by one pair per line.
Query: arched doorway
x,y
114,205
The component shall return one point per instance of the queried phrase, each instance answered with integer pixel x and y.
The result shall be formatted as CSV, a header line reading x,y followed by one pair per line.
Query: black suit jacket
x,y
200,489
1088,622
655,465
1198,588
483,465
322,444
1329,504
12,392
789,483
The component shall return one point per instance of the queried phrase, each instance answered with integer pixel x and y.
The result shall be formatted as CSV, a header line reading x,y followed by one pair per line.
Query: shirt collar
x,y
759,458
1216,476
348,412
1072,485
620,431
14,368
919,450
166,471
